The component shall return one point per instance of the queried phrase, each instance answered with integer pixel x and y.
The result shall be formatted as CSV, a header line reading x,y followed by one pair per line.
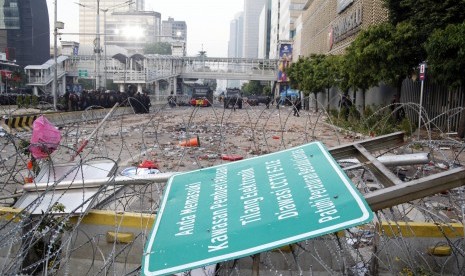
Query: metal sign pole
x,y
422,78
419,113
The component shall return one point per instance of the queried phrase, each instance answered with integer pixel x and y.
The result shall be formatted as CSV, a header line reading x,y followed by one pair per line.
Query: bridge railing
x,y
163,67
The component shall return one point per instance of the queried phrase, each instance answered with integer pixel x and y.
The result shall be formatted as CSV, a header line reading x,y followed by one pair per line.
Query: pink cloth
x,y
45,138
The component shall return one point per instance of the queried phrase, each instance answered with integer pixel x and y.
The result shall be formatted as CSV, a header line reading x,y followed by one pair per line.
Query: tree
x,y
327,72
202,54
252,87
446,54
267,90
426,15
361,62
383,53
295,72
160,48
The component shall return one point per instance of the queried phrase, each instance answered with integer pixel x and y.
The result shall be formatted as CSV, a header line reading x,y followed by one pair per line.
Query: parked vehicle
x,y
254,100
201,96
233,98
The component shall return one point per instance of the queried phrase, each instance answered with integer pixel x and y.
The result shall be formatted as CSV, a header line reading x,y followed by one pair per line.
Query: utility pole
x,y
55,53
97,49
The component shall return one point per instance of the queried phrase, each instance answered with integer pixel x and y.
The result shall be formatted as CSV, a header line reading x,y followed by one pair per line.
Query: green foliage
x,y
267,90
252,88
86,83
19,101
316,73
397,12
23,147
368,57
376,121
423,17
34,101
295,72
407,127
27,101
446,54
428,15
160,48
381,53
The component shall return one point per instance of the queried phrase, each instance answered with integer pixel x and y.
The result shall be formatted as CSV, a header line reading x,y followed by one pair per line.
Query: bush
x,y
27,101
34,101
376,121
19,101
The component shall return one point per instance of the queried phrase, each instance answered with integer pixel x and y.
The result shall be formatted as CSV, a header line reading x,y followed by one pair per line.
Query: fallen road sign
x,y
250,206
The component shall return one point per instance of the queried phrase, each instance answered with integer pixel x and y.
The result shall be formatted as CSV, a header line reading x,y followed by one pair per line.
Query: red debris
x,y
147,164
231,157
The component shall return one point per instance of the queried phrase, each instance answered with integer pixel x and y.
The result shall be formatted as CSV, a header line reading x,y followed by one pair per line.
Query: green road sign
x,y
82,73
254,205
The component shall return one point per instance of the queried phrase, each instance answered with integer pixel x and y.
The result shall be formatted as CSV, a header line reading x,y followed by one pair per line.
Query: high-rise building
x,y
25,31
274,28
284,14
264,31
252,10
236,31
133,30
122,23
236,40
173,30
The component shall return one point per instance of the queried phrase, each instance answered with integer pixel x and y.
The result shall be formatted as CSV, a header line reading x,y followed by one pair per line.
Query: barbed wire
x,y
41,237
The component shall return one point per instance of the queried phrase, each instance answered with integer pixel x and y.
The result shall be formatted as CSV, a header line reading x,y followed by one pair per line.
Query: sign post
x,y
422,79
251,206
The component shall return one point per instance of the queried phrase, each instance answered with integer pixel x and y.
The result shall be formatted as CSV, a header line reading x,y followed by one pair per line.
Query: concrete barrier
x,y
15,123
413,248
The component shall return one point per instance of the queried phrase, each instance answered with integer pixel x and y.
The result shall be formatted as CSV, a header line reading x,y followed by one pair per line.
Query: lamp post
x,y
422,79
105,48
55,53
56,25
97,48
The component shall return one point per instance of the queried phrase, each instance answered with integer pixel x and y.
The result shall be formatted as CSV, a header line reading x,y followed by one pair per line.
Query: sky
x,y
207,21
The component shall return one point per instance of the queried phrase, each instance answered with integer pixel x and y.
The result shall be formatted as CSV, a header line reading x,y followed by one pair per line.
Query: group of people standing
x,y
107,99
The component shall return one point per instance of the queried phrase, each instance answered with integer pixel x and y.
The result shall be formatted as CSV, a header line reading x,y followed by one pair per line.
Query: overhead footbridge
x,y
147,70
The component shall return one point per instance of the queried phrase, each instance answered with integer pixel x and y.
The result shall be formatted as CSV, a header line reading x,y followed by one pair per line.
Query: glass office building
x,y
25,31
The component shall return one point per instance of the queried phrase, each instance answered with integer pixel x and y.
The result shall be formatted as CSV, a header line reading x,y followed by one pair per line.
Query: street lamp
x,y
56,25
97,48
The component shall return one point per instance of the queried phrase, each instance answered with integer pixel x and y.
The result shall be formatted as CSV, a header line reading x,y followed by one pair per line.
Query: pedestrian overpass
x,y
145,71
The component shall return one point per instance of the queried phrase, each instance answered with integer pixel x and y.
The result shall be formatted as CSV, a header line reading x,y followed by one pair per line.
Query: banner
x,y
285,58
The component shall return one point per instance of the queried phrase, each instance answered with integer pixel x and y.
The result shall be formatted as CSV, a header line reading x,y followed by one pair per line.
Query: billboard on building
x,y
285,58
76,50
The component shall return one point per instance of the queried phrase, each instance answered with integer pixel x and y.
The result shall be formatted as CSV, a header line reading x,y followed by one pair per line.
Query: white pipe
x,y
404,159
90,183
397,160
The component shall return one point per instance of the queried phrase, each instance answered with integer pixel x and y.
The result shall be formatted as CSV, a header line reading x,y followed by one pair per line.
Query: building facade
x,y
329,26
133,30
235,44
264,31
252,10
25,31
284,14
173,31
236,32
110,14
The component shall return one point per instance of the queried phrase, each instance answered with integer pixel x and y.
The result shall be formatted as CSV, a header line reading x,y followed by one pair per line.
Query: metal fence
x,y
441,105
